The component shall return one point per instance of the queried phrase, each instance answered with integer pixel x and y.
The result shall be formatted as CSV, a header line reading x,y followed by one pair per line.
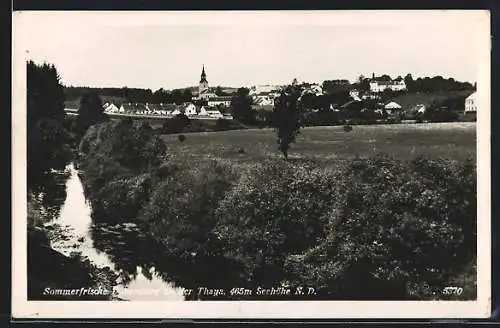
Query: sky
x,y
167,49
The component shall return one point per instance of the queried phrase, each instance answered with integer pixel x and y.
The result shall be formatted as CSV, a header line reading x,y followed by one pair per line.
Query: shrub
x,y
241,151
121,199
181,137
180,212
133,149
119,162
347,128
275,210
398,226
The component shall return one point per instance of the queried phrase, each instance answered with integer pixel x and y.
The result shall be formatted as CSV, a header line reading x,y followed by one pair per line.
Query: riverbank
x,y
52,274
88,252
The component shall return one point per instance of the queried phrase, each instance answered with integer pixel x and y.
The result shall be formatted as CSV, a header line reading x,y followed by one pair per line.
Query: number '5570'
x,y
453,290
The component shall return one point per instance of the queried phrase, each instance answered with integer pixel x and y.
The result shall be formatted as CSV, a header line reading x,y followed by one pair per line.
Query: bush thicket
x,y
373,228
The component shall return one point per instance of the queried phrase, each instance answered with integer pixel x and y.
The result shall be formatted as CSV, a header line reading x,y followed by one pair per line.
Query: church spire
x,y
203,75
203,82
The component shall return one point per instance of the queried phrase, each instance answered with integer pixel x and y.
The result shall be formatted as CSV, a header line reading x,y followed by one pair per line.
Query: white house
x,y
215,101
263,99
316,89
71,107
420,109
256,89
189,109
111,108
470,103
392,105
203,111
214,113
380,86
354,93
206,94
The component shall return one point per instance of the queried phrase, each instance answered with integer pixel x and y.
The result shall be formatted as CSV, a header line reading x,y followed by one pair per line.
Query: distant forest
x,y
137,95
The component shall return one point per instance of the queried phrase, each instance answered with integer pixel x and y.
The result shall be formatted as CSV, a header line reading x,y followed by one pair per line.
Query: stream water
x,y
75,218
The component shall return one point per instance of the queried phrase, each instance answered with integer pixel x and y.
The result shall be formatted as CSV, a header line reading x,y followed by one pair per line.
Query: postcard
x,y
251,164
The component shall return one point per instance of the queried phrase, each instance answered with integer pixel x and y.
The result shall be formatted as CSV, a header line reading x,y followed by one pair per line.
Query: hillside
x,y
413,99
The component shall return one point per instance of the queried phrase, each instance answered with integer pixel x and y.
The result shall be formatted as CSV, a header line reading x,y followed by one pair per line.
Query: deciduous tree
x,y
287,117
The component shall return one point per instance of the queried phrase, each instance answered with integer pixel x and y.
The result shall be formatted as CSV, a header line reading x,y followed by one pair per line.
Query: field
x,y
327,144
156,121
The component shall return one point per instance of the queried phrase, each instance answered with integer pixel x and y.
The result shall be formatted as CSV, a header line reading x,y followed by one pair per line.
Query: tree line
x,y
137,95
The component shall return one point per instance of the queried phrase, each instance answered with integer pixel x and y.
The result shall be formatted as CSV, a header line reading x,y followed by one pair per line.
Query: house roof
x,y
392,104
349,103
134,106
472,96
220,98
154,107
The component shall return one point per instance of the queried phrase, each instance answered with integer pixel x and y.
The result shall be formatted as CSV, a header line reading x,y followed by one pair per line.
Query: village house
x,y
189,109
354,94
71,106
392,107
316,89
267,88
133,108
377,85
214,114
111,108
470,103
420,109
203,111
175,112
219,100
206,95
263,99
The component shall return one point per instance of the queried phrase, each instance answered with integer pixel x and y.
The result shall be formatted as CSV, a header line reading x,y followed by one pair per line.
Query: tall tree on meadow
x,y
90,112
241,105
287,109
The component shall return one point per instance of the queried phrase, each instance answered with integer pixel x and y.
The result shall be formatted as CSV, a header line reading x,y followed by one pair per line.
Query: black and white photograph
x,y
286,164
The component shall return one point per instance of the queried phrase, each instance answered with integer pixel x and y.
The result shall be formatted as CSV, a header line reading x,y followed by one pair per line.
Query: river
x,y
75,217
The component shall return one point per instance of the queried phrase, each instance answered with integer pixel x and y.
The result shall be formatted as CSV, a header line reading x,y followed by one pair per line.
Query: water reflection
x,y
137,281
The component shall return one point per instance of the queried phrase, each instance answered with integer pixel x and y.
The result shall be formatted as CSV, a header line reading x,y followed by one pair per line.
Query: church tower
x,y
203,81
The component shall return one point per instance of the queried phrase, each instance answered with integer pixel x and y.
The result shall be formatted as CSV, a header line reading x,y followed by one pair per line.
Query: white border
x,y
22,308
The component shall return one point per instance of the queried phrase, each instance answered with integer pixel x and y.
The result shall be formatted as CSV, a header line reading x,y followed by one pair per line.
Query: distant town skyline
x,y
117,50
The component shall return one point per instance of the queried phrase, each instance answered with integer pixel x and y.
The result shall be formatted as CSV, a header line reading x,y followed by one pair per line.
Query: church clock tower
x,y
203,81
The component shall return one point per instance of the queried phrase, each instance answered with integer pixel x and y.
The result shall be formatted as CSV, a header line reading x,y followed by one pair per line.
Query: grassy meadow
x,y
455,141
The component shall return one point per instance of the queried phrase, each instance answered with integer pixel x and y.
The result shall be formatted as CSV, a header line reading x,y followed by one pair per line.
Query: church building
x,y
203,81
205,94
